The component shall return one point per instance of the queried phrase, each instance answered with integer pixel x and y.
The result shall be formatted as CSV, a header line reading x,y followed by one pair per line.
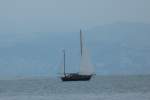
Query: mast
x,y
81,42
64,62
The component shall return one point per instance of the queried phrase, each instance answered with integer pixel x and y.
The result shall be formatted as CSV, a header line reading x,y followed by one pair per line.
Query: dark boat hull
x,y
76,77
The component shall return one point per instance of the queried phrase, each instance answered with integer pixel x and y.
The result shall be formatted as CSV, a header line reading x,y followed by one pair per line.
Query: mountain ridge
x,y
120,48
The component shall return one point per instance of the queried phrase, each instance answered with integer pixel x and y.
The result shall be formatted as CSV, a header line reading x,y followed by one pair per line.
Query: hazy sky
x,y
23,51
26,16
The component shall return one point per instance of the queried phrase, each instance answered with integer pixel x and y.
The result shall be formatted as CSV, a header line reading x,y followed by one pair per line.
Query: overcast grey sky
x,y
26,16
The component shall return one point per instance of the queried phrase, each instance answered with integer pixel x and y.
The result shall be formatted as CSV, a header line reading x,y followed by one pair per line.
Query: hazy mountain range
x,y
119,48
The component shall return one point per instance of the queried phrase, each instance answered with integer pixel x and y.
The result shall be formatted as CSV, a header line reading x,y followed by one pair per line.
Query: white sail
x,y
86,67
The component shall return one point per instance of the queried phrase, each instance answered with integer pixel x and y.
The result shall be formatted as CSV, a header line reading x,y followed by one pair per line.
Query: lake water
x,y
99,88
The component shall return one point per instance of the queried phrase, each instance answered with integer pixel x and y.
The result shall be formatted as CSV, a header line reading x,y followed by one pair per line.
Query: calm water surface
x,y
99,84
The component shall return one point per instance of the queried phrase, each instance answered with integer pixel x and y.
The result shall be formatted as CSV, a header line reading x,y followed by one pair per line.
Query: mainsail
x,y
86,67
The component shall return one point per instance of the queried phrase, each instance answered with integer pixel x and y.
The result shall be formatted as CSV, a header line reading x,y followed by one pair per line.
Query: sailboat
x,y
86,68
